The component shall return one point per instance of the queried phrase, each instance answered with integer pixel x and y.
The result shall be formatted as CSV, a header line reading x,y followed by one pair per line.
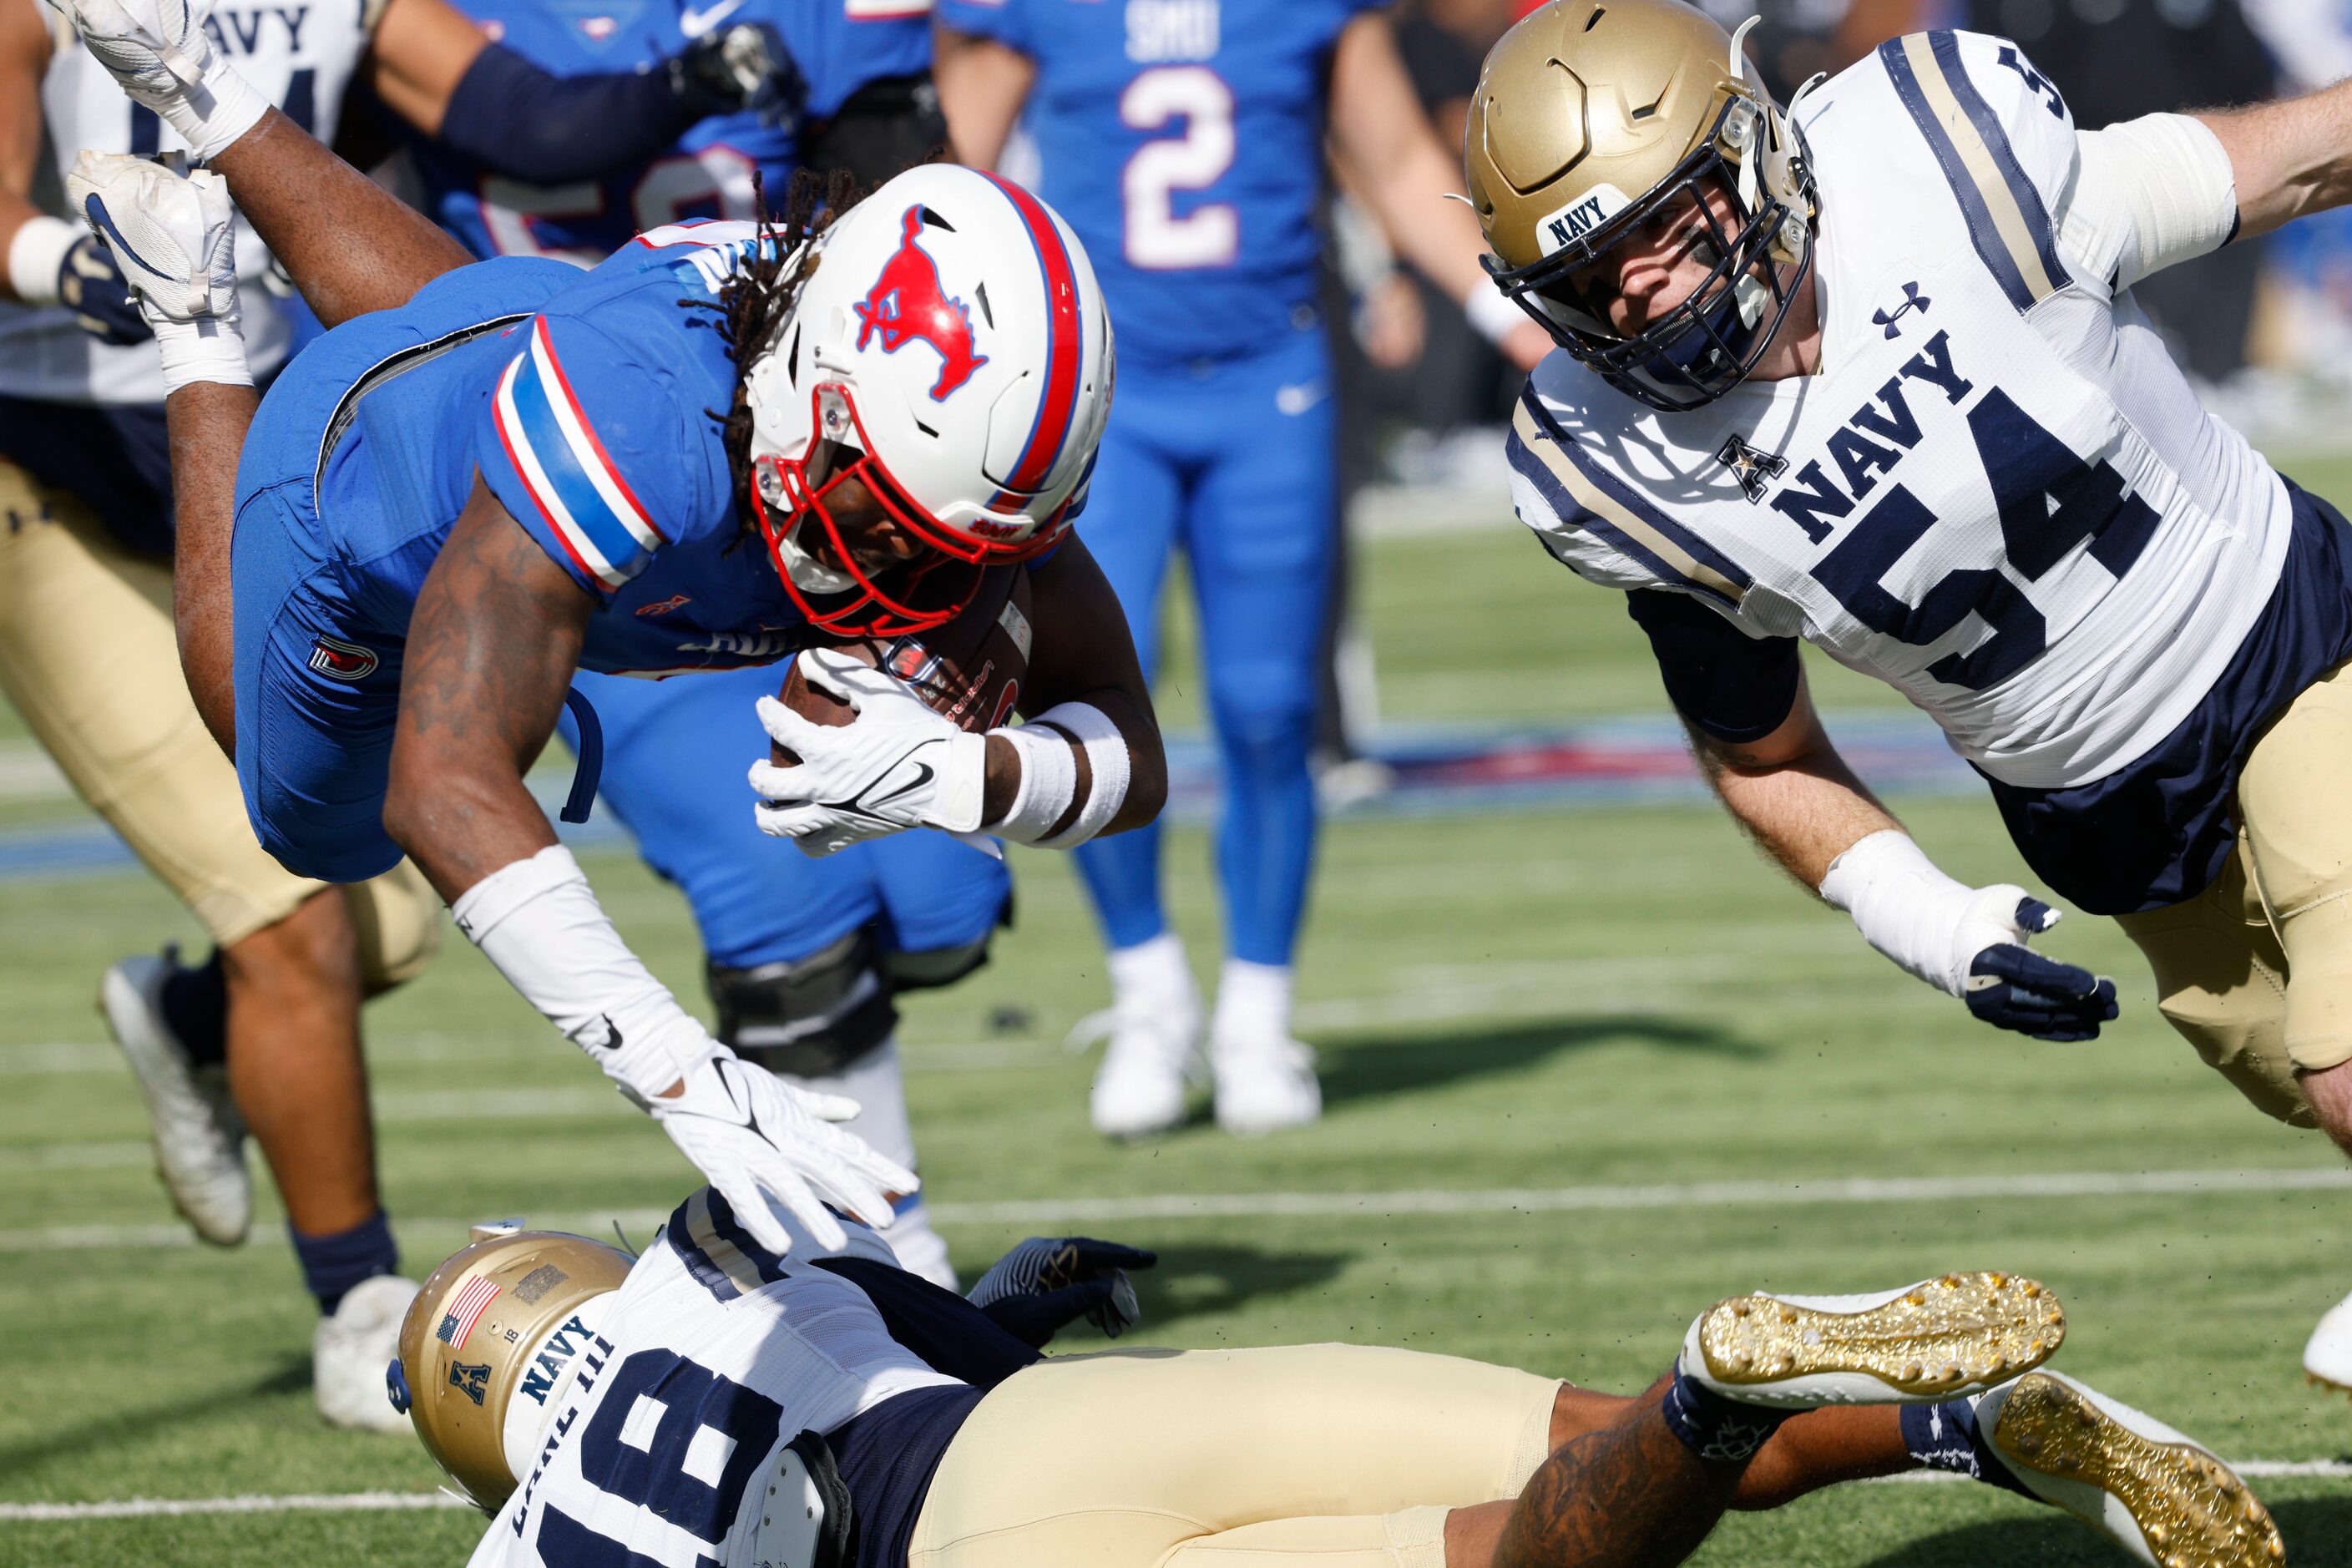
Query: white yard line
x,y
393,1502
1052,1212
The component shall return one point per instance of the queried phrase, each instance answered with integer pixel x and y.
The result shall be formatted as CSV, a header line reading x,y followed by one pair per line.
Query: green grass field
x,y
1584,999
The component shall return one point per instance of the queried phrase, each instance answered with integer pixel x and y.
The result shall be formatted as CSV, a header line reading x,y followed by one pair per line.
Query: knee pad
x,y
809,1017
934,967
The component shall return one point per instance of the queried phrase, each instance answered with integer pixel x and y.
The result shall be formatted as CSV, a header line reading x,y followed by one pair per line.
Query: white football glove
x,y
174,238
158,52
896,765
756,1137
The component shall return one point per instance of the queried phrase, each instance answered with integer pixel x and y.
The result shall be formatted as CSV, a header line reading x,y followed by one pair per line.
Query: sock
x,y
878,1083
196,1007
1945,1437
332,1265
1152,969
1253,1000
1716,1429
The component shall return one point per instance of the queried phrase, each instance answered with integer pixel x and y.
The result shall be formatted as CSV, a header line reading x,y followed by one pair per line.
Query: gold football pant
x,y
89,655
2256,971
1329,1456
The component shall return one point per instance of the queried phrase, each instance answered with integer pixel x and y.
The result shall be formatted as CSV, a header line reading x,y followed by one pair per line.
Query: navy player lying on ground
x,y
708,452
1869,373
712,1402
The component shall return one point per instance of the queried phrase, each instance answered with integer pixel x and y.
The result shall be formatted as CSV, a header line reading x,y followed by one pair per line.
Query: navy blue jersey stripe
x,y
1946,46
1555,494
1982,231
1632,500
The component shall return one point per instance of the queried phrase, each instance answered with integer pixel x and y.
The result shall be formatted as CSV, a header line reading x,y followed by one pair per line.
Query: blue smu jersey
x,y
839,46
581,400
1183,141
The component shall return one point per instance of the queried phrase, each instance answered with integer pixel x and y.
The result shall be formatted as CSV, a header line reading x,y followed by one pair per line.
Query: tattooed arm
x,y
491,651
1792,791
1630,1495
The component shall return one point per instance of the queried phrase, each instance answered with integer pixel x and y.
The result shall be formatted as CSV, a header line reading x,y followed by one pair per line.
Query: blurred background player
x,y
1184,141
803,956
88,656
264,1033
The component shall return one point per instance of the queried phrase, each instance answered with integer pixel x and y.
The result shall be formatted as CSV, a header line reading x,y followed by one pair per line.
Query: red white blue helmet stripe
x,y
578,490
1065,352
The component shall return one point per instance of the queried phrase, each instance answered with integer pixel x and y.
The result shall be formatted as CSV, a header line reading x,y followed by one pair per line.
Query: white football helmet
x,y
952,351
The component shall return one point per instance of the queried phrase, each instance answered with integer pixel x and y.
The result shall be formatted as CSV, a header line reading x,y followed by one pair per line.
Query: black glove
x,y
734,68
2014,987
90,285
1047,1283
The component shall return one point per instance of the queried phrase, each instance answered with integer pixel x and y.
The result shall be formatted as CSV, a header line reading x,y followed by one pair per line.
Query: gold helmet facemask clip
x,y
1740,195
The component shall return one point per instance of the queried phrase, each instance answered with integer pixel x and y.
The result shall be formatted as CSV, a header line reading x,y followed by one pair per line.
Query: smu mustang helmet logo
x,y
907,304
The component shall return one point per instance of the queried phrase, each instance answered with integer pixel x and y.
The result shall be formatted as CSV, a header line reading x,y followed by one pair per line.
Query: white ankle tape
x,y
1090,729
1049,782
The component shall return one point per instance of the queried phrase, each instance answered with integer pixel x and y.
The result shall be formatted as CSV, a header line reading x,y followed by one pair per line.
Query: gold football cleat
x,y
2162,1497
1938,1339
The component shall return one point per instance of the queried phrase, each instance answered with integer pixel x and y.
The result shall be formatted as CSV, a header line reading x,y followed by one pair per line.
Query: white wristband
x,y
37,253
1107,763
210,350
211,117
538,921
1491,311
1903,905
1049,782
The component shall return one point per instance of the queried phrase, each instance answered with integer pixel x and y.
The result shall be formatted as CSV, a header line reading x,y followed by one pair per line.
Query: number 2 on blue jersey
x,y
1156,237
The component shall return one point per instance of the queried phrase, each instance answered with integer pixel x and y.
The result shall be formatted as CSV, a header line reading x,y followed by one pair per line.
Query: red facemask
x,y
929,588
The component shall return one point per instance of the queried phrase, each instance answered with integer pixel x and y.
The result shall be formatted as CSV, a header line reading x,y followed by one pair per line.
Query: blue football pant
x,y
675,753
1233,462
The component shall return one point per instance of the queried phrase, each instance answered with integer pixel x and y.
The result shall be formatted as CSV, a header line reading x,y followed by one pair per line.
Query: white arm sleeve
x,y
2146,194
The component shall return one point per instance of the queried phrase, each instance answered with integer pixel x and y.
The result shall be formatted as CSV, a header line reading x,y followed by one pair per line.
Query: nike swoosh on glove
x,y
92,286
896,765
1047,1283
2013,987
757,1138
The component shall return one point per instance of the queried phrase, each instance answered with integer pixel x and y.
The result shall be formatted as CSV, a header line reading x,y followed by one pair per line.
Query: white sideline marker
x,y
1864,1190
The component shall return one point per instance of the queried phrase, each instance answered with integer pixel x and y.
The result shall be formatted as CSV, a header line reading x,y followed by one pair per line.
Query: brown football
x,y
970,670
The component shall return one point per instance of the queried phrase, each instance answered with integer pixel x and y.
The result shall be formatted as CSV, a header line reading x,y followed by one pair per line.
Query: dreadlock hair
x,y
758,297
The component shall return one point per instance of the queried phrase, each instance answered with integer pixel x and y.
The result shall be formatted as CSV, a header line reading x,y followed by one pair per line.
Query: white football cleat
x,y
2152,1491
172,235
1154,1058
349,1351
199,1136
1939,1339
2327,1356
1265,1084
158,53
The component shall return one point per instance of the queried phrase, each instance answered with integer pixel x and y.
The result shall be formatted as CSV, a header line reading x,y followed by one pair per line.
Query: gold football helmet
x,y
1593,117
489,1346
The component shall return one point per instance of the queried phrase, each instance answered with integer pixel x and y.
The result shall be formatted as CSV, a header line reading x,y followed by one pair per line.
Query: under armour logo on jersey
x,y
1912,301
907,302
339,661
1754,469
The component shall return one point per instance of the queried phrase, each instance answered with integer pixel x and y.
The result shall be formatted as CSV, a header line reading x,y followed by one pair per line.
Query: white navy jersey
x,y
713,1356
298,53
1997,494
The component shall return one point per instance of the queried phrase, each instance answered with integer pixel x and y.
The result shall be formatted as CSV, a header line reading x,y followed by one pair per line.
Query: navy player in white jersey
x,y
715,448
803,957
711,1402
1184,140
266,1033
1869,373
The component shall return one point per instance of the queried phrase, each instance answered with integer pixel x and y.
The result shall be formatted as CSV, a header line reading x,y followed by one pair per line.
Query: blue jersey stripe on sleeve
x,y
2007,222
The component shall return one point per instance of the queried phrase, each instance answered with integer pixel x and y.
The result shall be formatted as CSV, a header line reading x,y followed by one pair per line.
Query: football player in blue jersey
x,y
804,955
765,440
265,1035
1184,140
